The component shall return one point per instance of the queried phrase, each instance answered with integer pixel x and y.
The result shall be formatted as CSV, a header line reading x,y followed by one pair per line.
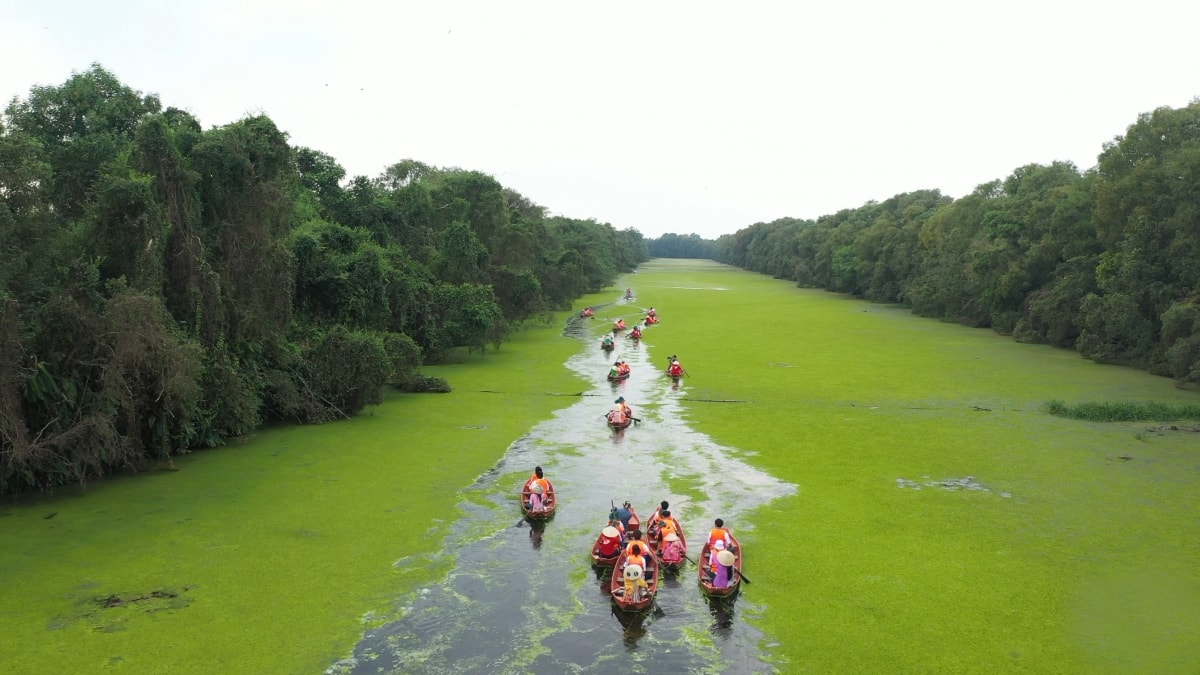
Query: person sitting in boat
x,y
610,542
617,525
723,570
675,370
616,417
623,407
615,371
634,571
636,333
635,540
628,293
662,506
619,324
624,367
714,549
650,313
622,514
607,342
719,533
671,551
588,311
539,491
665,525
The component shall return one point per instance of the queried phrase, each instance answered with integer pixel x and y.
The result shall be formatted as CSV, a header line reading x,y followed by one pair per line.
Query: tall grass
x,y
1124,411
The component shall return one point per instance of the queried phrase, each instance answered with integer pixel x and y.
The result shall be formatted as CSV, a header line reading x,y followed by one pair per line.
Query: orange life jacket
x,y
666,525
719,534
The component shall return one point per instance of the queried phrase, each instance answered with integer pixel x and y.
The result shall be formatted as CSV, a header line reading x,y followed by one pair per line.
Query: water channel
x,y
518,597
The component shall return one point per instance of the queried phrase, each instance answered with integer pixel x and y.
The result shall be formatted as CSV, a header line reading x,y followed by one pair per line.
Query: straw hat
x,y
671,536
633,571
726,558
610,532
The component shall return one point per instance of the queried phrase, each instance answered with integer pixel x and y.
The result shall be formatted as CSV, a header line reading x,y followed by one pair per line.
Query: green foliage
x,y
1121,411
1097,261
673,245
343,371
168,287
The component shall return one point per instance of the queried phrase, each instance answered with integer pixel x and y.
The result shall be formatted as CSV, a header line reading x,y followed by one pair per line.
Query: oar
x,y
743,576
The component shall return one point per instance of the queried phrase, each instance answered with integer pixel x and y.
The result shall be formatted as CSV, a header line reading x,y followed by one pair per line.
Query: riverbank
x,y
273,554
943,522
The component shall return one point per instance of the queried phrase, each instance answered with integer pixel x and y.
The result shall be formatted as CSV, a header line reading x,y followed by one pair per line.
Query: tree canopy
x,y
167,287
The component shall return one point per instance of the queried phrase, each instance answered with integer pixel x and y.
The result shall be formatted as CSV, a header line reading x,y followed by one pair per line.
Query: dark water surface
x,y
523,598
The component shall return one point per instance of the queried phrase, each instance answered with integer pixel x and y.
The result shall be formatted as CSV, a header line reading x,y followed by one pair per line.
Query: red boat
x,y
618,378
551,503
617,585
706,581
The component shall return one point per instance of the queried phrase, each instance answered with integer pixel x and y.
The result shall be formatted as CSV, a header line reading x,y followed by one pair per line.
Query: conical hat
x,y
671,536
633,571
726,558
610,532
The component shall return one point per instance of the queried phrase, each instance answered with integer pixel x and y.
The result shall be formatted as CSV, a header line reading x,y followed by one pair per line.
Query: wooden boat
x,y
651,320
617,378
634,336
608,346
551,502
618,584
706,585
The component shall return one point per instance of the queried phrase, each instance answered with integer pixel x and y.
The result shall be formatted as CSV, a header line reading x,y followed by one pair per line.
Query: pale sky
x,y
686,117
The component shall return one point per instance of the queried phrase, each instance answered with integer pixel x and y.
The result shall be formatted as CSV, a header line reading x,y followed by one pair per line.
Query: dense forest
x,y
1105,261
165,287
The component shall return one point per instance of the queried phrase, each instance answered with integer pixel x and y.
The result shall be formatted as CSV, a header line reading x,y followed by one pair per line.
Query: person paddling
x,y
723,570
623,513
623,407
675,370
615,371
671,551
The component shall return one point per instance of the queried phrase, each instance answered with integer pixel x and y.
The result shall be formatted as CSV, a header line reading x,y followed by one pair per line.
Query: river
x,y
522,597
